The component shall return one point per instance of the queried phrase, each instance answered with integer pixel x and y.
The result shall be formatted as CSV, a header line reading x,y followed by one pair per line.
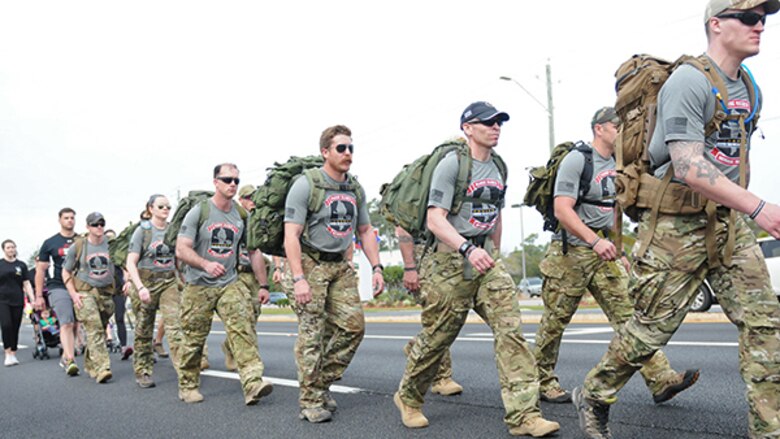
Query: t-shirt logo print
x,y
98,265
726,149
485,215
342,211
162,255
223,235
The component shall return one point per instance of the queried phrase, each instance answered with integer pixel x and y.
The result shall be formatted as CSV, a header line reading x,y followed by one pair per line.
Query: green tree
x,y
388,240
533,256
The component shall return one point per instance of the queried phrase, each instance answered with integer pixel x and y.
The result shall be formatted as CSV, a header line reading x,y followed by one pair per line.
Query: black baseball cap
x,y
481,110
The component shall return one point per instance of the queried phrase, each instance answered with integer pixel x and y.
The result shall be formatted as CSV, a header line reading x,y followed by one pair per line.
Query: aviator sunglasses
x,y
100,223
341,147
490,122
228,180
748,18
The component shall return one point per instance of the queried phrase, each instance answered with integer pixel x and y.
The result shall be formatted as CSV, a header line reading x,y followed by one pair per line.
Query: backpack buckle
x,y
695,200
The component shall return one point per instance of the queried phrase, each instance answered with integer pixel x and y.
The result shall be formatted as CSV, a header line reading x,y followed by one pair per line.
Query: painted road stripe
x,y
278,381
531,337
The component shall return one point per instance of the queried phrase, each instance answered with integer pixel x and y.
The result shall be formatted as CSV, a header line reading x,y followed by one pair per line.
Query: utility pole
x,y
550,108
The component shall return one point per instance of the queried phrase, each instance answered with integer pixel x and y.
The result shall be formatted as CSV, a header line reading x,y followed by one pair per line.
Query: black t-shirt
x,y
53,250
12,275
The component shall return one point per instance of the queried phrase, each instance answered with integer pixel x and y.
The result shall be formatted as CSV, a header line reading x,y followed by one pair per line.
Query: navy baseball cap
x,y
481,110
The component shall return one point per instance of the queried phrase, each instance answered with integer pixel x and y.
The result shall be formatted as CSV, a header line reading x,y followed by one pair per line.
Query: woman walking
x,y
14,284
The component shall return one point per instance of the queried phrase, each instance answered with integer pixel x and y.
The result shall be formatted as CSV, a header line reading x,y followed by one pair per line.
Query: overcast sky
x,y
104,103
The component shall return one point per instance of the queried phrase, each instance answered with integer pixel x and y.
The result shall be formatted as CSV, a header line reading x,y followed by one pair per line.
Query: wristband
x,y
755,213
595,241
465,247
412,268
379,266
277,268
471,248
297,279
265,287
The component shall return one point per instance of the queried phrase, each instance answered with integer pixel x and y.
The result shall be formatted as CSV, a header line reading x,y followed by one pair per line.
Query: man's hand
x,y
411,281
277,276
76,298
605,249
144,295
39,303
214,269
263,296
302,292
769,219
626,264
481,260
378,281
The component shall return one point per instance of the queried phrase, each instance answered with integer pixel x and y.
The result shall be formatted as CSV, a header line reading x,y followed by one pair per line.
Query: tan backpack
x,y
638,83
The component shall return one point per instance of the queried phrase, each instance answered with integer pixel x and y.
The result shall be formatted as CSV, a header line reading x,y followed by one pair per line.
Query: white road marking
x,y
279,381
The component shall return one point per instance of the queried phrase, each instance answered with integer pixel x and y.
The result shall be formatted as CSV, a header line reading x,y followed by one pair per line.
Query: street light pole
x,y
522,234
547,108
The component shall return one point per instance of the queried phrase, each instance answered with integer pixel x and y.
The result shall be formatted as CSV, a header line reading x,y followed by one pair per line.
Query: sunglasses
x,y
98,224
166,206
341,147
490,123
748,18
228,180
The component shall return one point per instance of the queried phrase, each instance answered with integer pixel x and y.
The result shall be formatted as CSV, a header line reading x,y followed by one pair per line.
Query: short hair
x,y
7,241
65,210
332,132
218,168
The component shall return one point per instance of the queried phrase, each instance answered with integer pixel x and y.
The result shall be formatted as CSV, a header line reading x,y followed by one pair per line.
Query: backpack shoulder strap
x,y
147,240
501,165
719,90
587,168
464,176
316,188
241,211
205,210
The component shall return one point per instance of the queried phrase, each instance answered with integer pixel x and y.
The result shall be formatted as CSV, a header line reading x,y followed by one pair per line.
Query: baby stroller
x,y
46,336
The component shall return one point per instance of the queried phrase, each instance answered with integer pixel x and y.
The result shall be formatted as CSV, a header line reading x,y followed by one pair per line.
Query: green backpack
x,y
405,200
119,247
193,198
266,224
541,187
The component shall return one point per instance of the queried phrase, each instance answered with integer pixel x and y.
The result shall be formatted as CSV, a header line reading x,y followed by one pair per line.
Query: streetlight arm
x,y
507,78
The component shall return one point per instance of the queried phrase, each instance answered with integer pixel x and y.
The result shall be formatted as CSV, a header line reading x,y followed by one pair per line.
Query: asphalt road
x,y
38,400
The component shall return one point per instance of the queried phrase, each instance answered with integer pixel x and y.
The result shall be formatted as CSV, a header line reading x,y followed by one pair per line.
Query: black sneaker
x,y
593,415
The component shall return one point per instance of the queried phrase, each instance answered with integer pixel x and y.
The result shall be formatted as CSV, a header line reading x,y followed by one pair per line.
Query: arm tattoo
x,y
682,153
705,169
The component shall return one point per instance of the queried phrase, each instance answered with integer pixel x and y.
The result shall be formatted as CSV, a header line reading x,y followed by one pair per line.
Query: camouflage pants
x,y
97,308
668,278
566,279
449,299
164,294
330,327
249,286
198,304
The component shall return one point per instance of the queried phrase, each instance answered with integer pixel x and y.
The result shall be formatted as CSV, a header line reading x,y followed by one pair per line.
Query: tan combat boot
x,y
555,395
536,427
103,377
679,382
230,362
410,416
447,387
204,363
257,391
190,396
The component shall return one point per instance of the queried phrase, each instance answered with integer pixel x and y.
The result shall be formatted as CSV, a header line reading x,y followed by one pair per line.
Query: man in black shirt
x,y
54,250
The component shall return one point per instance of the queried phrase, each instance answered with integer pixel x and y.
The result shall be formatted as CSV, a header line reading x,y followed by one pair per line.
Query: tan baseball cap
x,y
246,191
715,7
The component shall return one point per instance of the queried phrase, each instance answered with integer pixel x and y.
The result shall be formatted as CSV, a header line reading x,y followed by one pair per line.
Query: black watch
x,y
379,266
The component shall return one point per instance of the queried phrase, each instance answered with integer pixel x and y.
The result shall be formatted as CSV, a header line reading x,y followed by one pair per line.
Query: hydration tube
x,y
755,93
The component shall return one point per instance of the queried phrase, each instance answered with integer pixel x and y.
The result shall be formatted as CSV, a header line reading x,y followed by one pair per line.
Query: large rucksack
x,y
266,224
119,247
193,198
405,200
638,82
540,192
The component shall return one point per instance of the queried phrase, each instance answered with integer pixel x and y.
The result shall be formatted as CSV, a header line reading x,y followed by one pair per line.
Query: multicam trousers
x,y
249,287
330,327
198,304
97,308
566,279
449,299
668,278
165,296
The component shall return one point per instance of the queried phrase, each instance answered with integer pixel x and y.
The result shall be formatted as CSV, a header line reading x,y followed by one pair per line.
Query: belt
x,y
321,256
148,275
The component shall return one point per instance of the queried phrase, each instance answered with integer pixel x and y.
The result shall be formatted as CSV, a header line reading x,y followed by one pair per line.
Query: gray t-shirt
x,y
474,219
157,256
602,188
95,267
331,228
216,240
686,104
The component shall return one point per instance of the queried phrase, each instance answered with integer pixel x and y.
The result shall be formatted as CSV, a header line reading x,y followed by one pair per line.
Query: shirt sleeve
x,y
297,203
443,182
137,241
567,182
189,227
70,258
44,254
363,217
682,103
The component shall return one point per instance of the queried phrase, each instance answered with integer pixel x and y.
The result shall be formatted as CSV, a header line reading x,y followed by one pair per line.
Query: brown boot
x,y
144,381
257,391
556,395
593,416
680,382
315,415
103,377
204,363
410,416
536,427
190,396
447,387
230,362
